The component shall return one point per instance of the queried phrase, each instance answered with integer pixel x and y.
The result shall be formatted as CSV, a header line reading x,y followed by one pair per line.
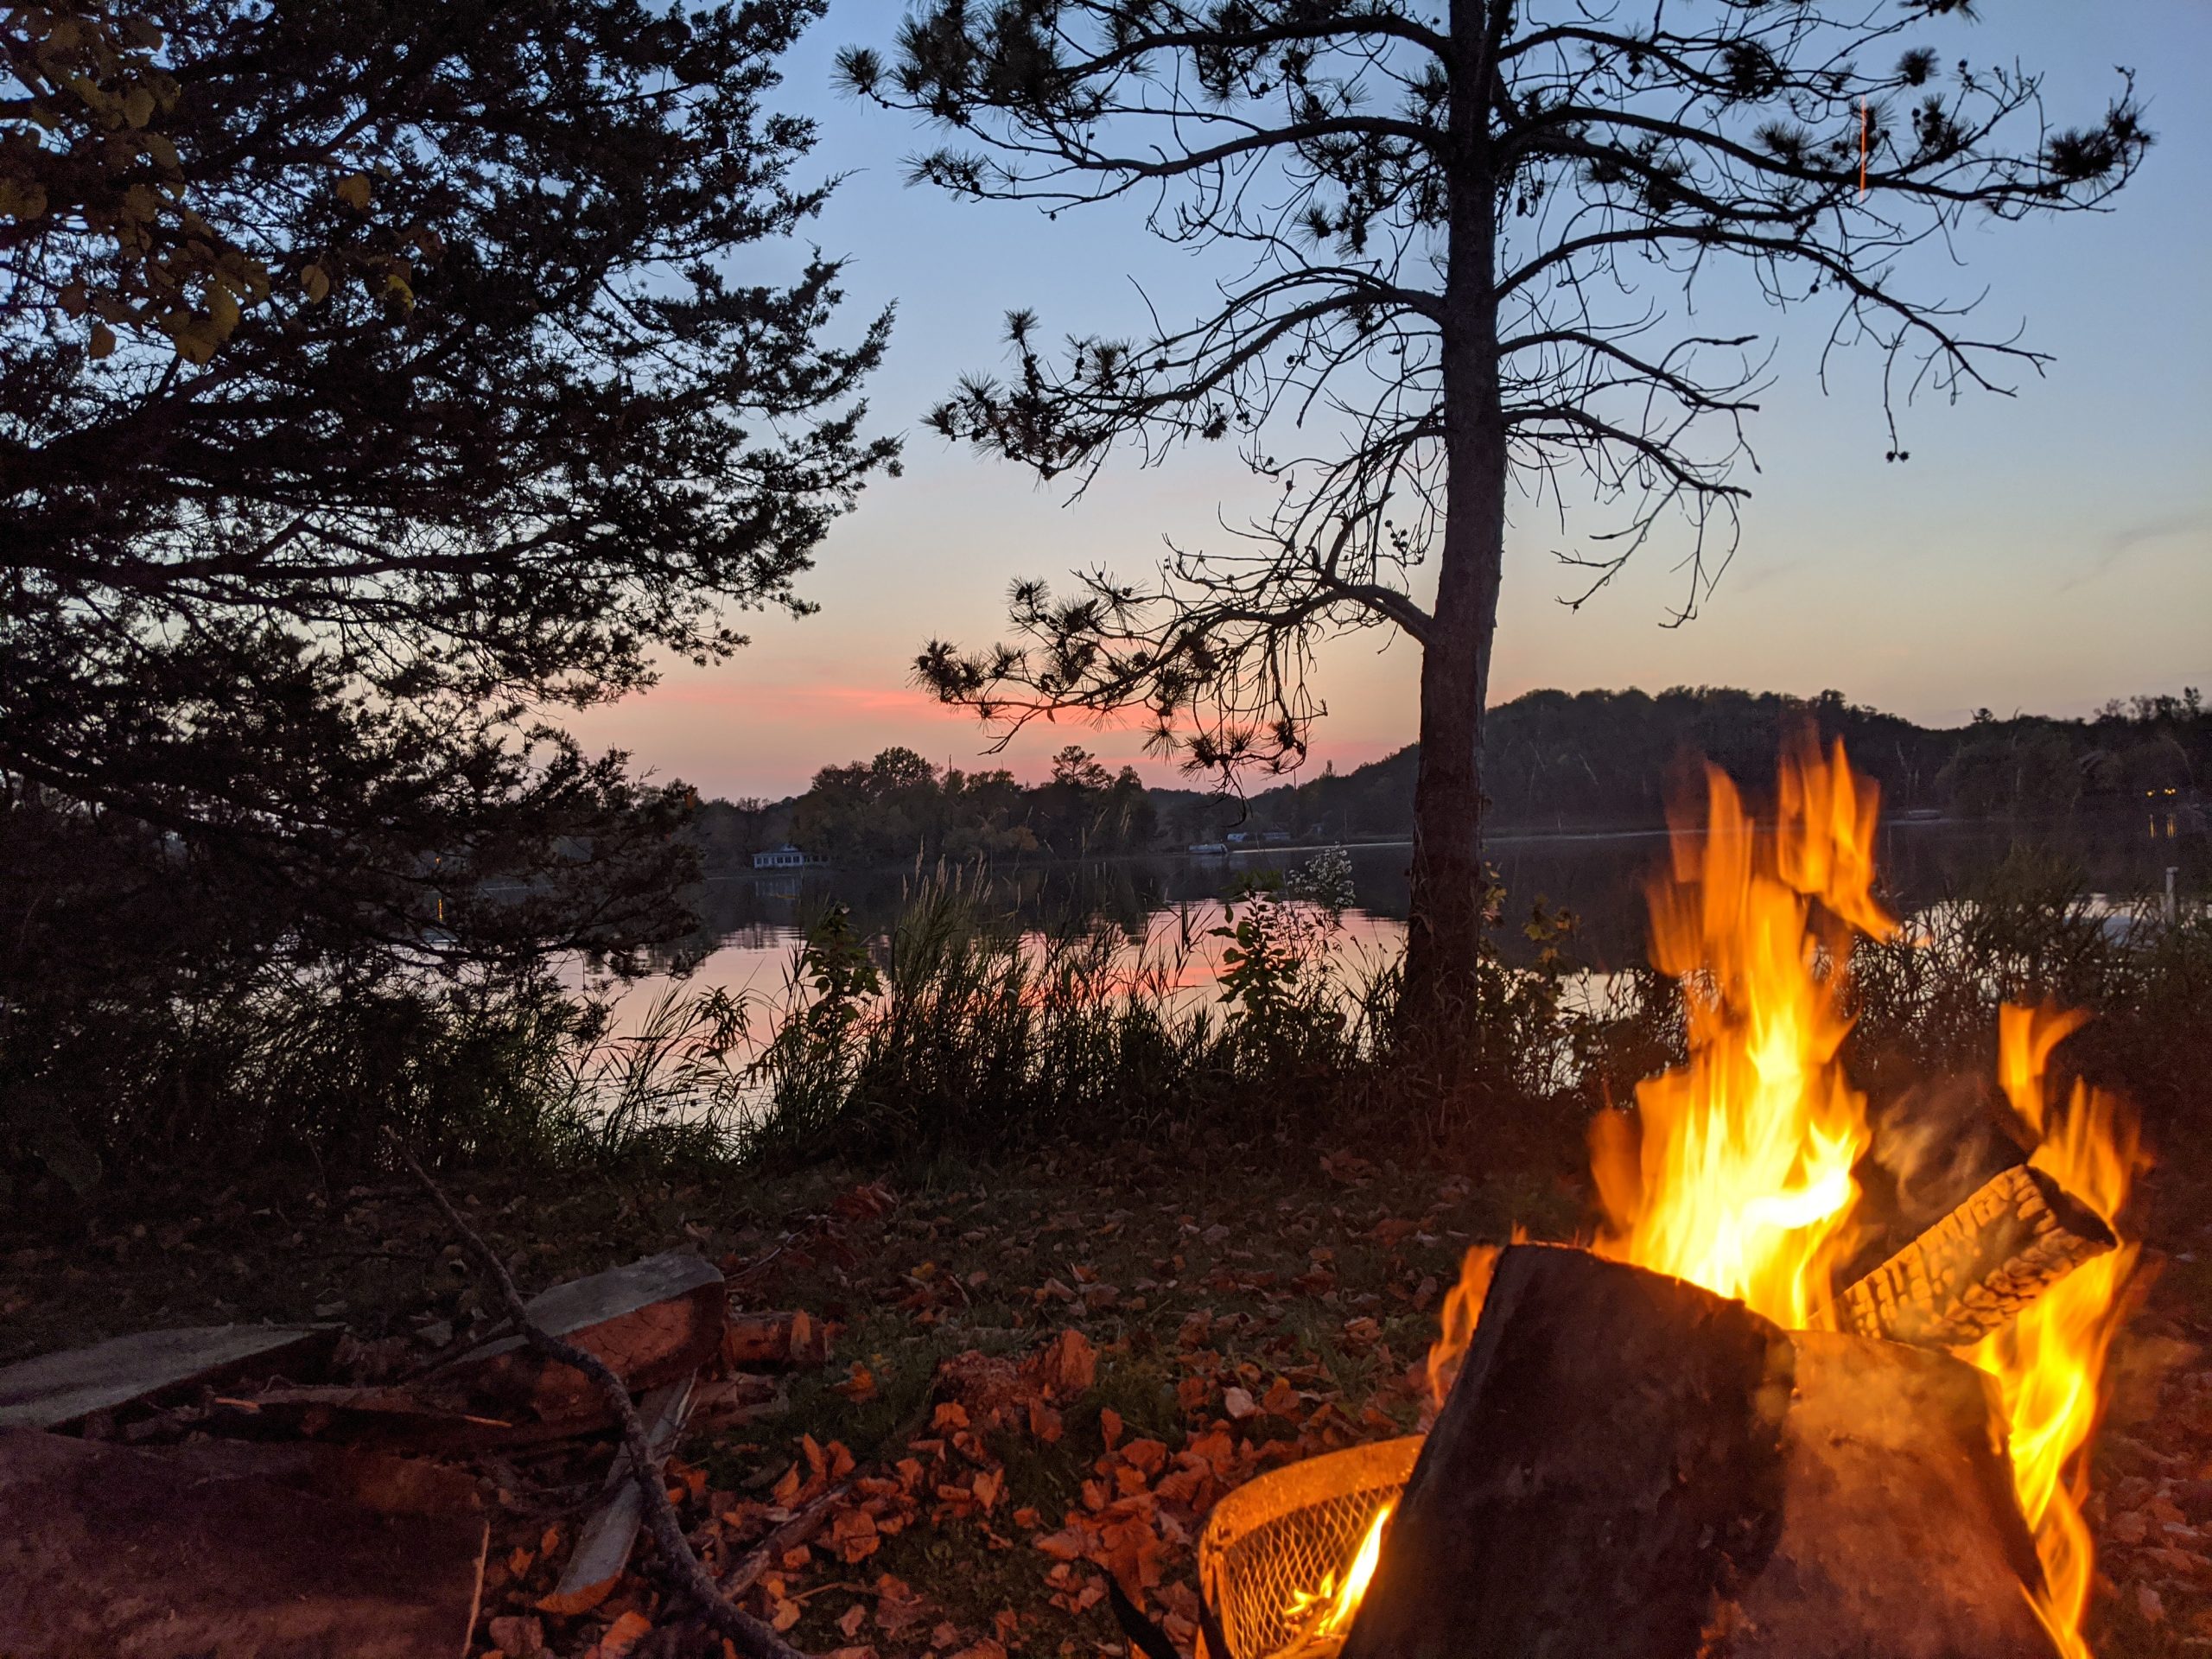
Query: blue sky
x,y
2041,552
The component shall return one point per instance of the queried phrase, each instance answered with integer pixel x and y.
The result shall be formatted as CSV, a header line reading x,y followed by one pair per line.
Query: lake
x,y
752,923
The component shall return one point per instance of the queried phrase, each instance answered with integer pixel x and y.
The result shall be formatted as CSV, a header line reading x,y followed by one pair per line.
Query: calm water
x,y
753,923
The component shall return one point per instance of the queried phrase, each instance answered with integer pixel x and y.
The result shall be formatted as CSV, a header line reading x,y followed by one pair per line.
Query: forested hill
x,y
1591,759
1553,760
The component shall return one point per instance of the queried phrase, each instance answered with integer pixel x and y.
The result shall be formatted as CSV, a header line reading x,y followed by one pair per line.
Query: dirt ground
x,y
1044,1369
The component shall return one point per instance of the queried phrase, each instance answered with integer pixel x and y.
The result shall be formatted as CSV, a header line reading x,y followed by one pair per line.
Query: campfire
x,y
1768,1410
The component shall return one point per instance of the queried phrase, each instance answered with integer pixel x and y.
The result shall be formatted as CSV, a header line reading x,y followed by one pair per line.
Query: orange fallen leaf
x,y
1147,1454
577,1601
859,1385
622,1635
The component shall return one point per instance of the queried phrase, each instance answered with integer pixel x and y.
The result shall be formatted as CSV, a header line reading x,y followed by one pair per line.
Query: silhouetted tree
x,y
1459,243
373,379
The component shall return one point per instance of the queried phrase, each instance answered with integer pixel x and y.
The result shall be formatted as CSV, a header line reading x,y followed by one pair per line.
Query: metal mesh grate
x,y
1288,1531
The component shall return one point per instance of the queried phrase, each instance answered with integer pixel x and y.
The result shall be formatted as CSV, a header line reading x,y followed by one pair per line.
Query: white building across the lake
x,y
786,857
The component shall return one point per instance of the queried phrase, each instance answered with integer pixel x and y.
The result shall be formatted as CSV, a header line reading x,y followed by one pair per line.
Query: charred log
x,y
1900,1533
1609,1457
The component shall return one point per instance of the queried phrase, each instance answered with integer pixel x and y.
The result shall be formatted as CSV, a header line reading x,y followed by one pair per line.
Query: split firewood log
x,y
230,1550
1971,1274
651,1322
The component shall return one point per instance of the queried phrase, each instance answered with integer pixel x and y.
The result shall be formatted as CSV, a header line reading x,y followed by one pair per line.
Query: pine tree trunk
x,y
1444,924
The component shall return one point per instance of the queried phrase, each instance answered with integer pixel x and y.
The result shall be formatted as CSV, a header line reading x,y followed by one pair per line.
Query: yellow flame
x,y
1740,1177
1335,1602
2050,1362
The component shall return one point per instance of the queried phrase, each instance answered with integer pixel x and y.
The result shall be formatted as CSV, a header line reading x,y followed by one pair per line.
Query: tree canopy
x,y
375,382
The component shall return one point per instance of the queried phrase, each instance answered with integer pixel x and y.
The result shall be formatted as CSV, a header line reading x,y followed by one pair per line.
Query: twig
x,y
792,1534
749,1634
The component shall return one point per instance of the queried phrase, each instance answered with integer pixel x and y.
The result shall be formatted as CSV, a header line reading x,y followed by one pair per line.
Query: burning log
x,y
1969,1276
1900,1533
1631,1467
1610,1455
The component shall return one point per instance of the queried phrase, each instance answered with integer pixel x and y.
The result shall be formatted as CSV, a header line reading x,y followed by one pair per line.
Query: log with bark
x,y
652,1322
1629,1467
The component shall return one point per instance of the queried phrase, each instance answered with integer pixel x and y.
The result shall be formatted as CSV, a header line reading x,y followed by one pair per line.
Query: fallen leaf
x,y
1239,1404
623,1635
859,1385
1067,1367
517,1636
577,1601
1044,1421
855,1537
849,1622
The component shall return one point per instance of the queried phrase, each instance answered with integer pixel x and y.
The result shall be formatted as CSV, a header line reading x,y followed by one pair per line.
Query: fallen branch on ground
x,y
751,1635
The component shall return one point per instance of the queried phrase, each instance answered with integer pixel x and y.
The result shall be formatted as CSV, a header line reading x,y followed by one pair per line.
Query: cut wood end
x,y
1970,1275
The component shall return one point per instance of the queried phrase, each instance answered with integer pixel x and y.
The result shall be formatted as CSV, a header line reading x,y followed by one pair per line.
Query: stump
x,y
1629,1467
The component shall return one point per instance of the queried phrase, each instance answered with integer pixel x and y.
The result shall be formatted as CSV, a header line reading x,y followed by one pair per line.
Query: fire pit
x,y
1276,1551
1760,1414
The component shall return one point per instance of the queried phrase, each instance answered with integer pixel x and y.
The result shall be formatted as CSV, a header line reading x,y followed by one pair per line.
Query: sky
x,y
2040,553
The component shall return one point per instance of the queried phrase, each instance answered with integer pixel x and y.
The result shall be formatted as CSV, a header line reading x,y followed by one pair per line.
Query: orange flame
x,y
1740,1179
1463,1309
1335,1602
2050,1362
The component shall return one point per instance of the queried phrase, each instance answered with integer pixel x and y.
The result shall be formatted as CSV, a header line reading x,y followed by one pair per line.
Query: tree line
x,y
1556,761
900,808
1616,759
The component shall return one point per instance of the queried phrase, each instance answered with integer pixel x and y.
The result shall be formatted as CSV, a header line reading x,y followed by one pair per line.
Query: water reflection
x,y
751,924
